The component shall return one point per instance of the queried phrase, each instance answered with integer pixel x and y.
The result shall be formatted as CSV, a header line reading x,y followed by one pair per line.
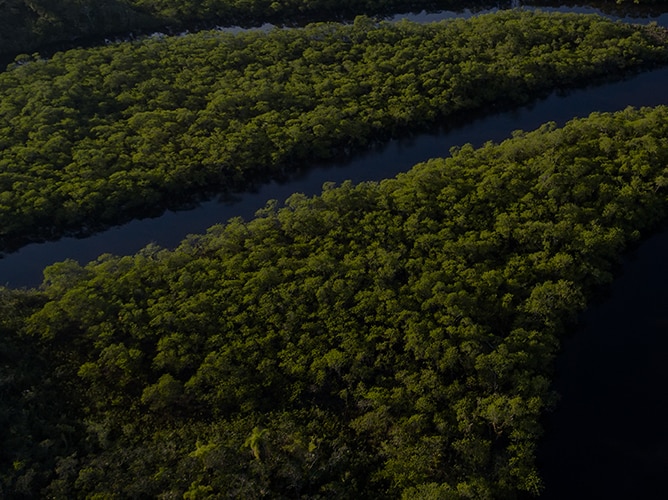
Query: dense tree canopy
x,y
381,340
93,136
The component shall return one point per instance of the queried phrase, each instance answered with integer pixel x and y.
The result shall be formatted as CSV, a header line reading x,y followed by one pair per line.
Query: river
x,y
24,267
606,439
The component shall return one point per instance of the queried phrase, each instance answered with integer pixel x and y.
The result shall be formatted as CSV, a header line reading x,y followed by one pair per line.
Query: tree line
x,y
93,137
380,340
30,25
27,26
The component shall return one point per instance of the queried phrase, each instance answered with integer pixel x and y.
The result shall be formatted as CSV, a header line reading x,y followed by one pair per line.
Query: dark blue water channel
x,y
24,268
607,438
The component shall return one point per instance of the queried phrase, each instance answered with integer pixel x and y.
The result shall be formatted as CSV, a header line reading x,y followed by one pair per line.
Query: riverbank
x,y
98,136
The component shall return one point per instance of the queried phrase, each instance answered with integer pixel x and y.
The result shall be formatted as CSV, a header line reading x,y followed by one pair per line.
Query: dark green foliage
x,y
93,137
28,25
381,340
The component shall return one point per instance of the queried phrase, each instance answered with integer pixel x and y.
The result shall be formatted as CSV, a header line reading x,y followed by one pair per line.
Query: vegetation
x,y
384,340
27,25
92,137
37,25
381,340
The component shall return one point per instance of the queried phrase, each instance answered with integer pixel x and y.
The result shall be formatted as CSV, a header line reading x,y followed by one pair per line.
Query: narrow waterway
x,y
24,267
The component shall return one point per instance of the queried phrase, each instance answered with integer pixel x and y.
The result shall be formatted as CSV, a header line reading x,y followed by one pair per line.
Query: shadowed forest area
x,y
30,25
381,340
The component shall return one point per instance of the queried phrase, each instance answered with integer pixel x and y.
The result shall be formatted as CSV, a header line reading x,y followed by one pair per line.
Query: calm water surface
x,y
608,437
24,268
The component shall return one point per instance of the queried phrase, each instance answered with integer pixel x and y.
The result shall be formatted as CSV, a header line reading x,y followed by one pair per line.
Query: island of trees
x,y
380,340
95,136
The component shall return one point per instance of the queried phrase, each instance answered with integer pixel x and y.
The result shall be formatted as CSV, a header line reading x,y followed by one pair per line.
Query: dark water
x,y
607,438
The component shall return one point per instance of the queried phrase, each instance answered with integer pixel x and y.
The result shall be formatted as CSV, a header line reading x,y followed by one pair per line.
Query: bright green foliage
x,y
92,137
383,340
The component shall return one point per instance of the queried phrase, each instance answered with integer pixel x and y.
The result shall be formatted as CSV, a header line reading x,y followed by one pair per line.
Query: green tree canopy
x,y
93,137
381,340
